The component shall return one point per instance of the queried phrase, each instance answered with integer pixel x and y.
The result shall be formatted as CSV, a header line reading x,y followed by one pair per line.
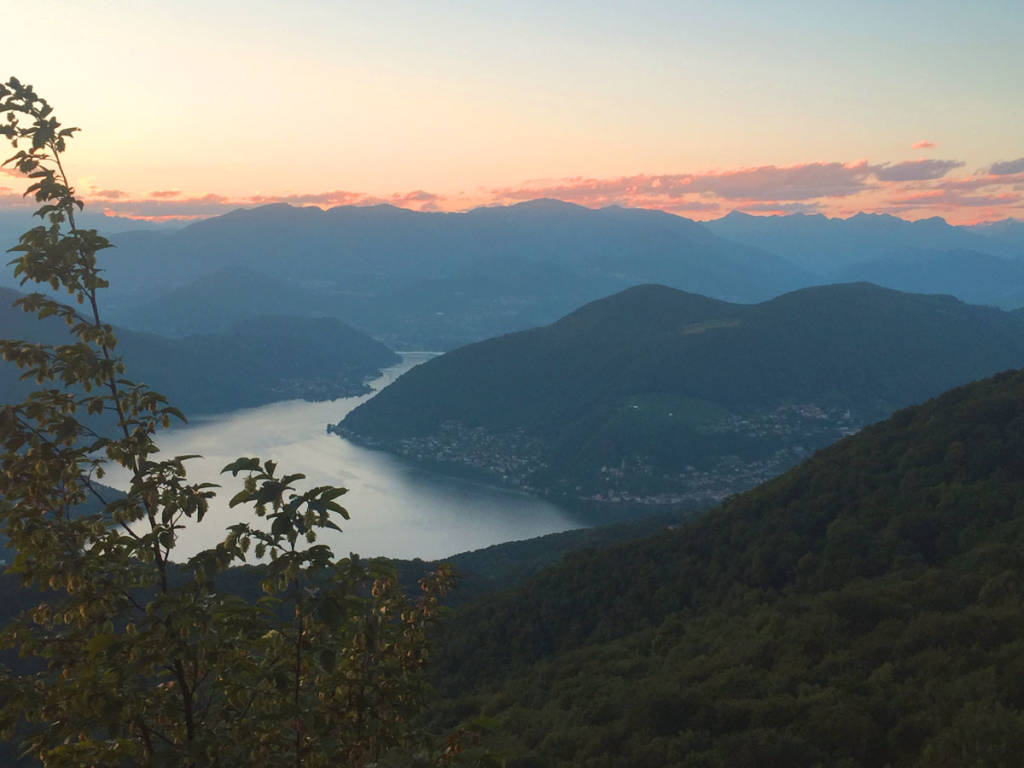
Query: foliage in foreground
x,y
134,667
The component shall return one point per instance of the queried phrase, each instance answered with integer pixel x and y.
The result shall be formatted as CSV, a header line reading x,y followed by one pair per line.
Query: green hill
x,y
657,395
863,609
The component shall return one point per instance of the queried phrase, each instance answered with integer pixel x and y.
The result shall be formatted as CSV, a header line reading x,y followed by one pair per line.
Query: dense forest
x,y
863,609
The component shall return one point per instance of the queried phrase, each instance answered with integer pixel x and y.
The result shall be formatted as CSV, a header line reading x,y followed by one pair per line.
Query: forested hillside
x,y
658,395
863,609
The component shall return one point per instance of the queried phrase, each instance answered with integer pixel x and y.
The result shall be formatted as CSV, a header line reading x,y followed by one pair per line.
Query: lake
x,y
397,509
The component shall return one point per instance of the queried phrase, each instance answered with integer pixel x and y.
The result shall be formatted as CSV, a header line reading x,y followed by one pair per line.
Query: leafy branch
x,y
142,660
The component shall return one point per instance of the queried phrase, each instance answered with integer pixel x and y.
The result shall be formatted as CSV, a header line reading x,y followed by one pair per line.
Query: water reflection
x,y
397,509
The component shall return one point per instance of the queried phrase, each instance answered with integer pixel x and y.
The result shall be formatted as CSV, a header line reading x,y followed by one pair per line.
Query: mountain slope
x,y
863,609
651,390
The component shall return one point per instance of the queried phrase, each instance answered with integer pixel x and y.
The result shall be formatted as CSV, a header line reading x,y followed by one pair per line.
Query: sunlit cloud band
x,y
912,188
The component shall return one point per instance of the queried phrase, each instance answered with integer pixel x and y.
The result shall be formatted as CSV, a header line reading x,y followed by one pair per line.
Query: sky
x,y
190,109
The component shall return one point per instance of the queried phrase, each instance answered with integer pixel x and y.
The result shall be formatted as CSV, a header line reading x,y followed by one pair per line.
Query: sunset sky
x,y
190,109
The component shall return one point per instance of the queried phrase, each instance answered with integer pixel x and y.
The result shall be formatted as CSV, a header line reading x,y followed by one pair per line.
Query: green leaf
x,y
328,659
281,526
99,643
242,465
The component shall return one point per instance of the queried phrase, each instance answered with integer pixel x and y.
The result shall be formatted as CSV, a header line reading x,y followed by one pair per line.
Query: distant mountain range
x,y
264,359
823,245
421,280
662,396
439,280
982,263
1008,232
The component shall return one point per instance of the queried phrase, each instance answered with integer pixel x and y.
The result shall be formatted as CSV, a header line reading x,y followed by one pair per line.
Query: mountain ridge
x,y
653,388
430,280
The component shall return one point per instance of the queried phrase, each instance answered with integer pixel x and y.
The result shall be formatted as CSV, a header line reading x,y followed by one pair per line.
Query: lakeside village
x,y
787,435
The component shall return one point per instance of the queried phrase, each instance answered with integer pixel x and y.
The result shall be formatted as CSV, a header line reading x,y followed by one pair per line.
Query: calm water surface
x,y
397,509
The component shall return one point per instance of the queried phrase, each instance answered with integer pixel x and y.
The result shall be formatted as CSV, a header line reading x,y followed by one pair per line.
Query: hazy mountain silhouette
x,y
970,275
826,246
1008,232
264,359
440,280
428,278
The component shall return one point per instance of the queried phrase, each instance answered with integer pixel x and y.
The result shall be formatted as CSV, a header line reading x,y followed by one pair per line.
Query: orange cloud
x,y
923,145
165,193
107,194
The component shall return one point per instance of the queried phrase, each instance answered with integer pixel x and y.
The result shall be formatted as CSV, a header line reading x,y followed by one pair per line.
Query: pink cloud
x,y
798,182
160,209
805,188
981,181
336,197
916,170
923,145
417,199
946,198
107,194
832,188
1007,167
